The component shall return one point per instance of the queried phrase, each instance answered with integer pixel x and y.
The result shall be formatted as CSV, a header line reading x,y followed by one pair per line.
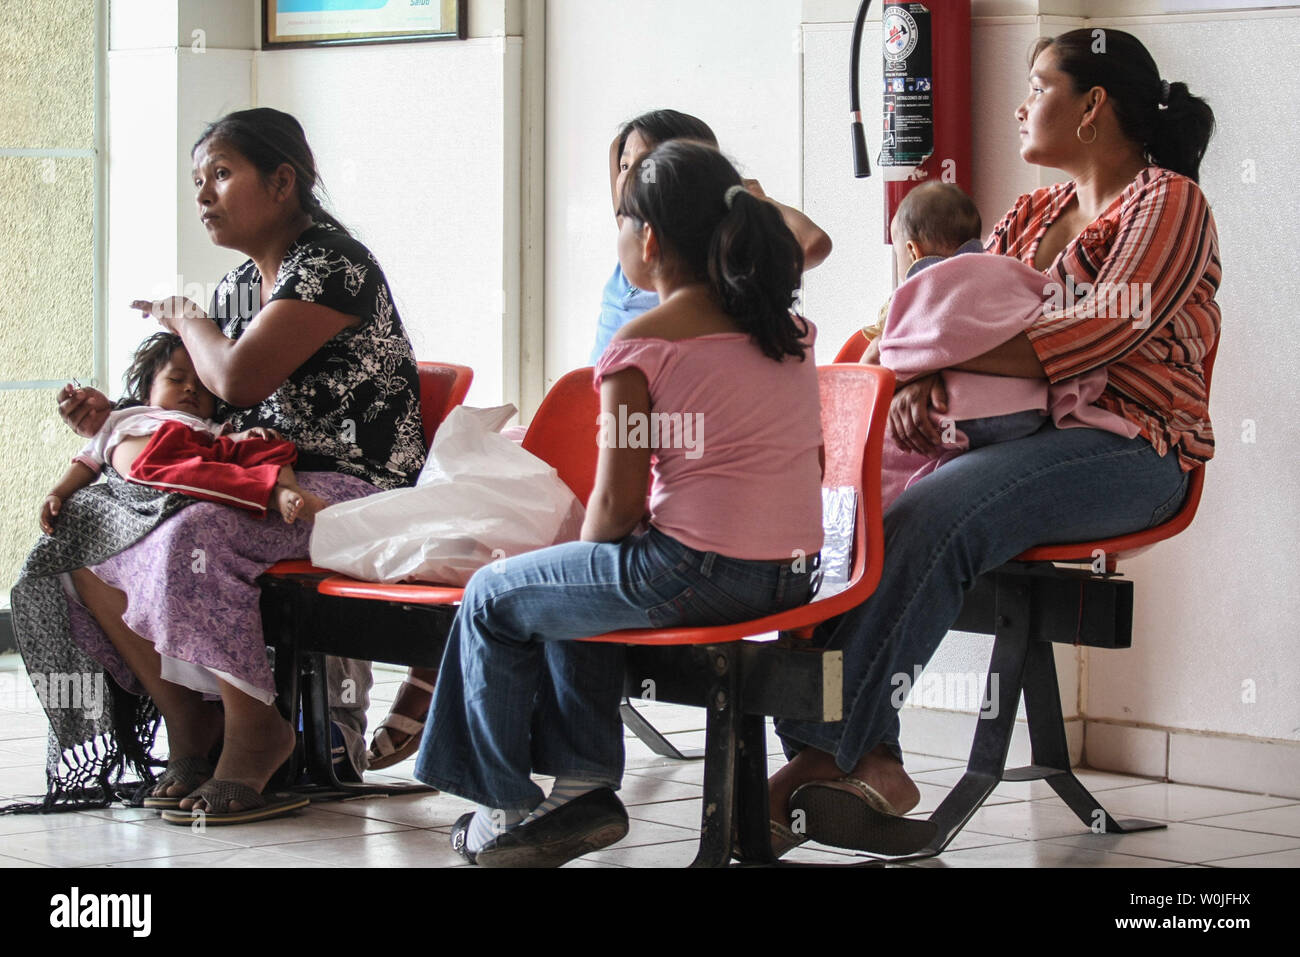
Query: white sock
x,y
564,791
488,823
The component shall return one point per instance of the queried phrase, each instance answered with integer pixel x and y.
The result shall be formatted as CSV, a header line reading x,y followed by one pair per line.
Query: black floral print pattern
x,y
354,406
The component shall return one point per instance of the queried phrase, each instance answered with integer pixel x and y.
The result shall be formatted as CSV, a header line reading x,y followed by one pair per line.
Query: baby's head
x,y
162,374
935,219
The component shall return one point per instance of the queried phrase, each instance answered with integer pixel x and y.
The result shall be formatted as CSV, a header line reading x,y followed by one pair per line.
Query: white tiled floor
x,y
1022,824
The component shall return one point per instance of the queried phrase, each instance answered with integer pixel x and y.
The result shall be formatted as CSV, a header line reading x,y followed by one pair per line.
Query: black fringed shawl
x,y
93,759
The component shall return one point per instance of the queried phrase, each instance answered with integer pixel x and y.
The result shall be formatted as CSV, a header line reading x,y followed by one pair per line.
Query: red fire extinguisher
x,y
926,101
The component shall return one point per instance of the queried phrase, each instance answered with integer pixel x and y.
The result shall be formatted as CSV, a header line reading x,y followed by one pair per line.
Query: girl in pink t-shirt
x,y
715,393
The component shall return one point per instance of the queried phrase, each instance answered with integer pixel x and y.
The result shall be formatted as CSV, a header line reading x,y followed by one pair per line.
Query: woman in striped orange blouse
x,y
1130,254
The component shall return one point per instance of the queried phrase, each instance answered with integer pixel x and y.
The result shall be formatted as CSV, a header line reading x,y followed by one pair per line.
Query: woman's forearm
x,y
244,371
603,524
812,239
77,477
1015,357
212,354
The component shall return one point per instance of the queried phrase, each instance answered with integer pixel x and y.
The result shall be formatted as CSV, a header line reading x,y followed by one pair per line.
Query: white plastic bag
x,y
480,498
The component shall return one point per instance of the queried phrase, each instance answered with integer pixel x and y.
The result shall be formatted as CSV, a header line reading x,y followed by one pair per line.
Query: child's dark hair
x,y
268,138
939,217
1172,126
660,126
148,361
717,231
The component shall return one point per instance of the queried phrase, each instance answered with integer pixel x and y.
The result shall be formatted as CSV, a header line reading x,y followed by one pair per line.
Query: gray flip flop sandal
x,y
189,773
220,794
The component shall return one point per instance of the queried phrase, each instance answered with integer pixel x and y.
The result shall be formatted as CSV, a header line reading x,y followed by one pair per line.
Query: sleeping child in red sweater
x,y
162,435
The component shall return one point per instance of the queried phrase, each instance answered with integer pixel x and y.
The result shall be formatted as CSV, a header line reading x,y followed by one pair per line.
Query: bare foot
x,y
251,758
808,765
191,733
294,504
877,768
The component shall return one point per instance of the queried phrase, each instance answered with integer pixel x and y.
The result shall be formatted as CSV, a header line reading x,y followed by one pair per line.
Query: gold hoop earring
x,y
1079,133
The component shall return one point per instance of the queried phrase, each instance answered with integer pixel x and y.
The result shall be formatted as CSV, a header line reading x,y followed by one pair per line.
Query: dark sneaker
x,y
585,824
459,833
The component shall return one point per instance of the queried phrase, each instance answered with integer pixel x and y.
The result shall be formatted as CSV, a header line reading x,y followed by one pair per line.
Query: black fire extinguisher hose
x,y
861,165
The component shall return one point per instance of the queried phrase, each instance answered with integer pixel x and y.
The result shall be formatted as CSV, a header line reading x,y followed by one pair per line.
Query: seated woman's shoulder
x,y
1172,190
339,241
686,315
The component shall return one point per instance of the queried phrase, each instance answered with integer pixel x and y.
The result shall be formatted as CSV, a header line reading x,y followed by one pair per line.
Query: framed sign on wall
x,y
305,23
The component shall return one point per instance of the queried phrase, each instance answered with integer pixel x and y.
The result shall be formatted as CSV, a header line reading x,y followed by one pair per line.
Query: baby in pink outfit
x,y
954,302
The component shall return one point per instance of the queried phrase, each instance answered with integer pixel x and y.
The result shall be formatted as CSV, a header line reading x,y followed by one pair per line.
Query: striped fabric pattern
x,y
1134,292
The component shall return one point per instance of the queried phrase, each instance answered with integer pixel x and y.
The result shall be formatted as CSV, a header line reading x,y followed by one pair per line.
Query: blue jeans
x,y
517,693
977,512
1001,428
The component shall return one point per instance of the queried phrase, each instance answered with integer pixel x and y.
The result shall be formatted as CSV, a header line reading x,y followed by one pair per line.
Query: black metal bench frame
x,y
1026,607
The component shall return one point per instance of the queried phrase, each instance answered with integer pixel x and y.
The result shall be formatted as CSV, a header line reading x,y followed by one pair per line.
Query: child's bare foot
x,y
295,503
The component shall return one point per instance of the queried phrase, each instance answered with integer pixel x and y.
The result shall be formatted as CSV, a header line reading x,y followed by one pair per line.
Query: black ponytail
x,y
755,264
718,232
1181,132
1172,126
268,139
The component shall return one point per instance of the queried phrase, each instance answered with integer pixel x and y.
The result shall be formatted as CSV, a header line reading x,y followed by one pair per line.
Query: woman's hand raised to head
x,y
170,312
909,415
84,410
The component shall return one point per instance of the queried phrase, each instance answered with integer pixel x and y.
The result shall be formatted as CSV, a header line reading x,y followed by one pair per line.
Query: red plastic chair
x,y
1126,546
855,410
1119,546
562,433
737,681
1026,605
853,348
740,682
443,386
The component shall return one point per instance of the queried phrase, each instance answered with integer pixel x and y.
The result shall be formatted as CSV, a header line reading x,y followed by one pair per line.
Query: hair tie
x,y
732,193
1164,92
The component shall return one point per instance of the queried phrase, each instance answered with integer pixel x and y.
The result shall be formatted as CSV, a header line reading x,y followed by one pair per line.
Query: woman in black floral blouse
x,y
302,338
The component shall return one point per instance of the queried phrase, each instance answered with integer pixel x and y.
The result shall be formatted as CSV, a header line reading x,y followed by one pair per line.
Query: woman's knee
x,y
104,601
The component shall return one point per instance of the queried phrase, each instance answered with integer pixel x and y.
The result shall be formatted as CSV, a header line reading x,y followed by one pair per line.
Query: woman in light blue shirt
x,y
623,302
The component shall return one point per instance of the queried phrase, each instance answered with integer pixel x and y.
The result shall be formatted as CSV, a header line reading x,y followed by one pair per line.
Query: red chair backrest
x,y
563,432
443,386
853,349
855,409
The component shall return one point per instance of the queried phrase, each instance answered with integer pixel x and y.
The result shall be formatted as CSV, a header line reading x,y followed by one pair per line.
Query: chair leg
x,y
279,610
721,743
319,747
754,833
635,722
1051,755
992,740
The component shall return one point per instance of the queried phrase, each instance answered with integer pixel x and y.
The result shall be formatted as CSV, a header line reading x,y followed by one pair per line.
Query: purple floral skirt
x,y
191,588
